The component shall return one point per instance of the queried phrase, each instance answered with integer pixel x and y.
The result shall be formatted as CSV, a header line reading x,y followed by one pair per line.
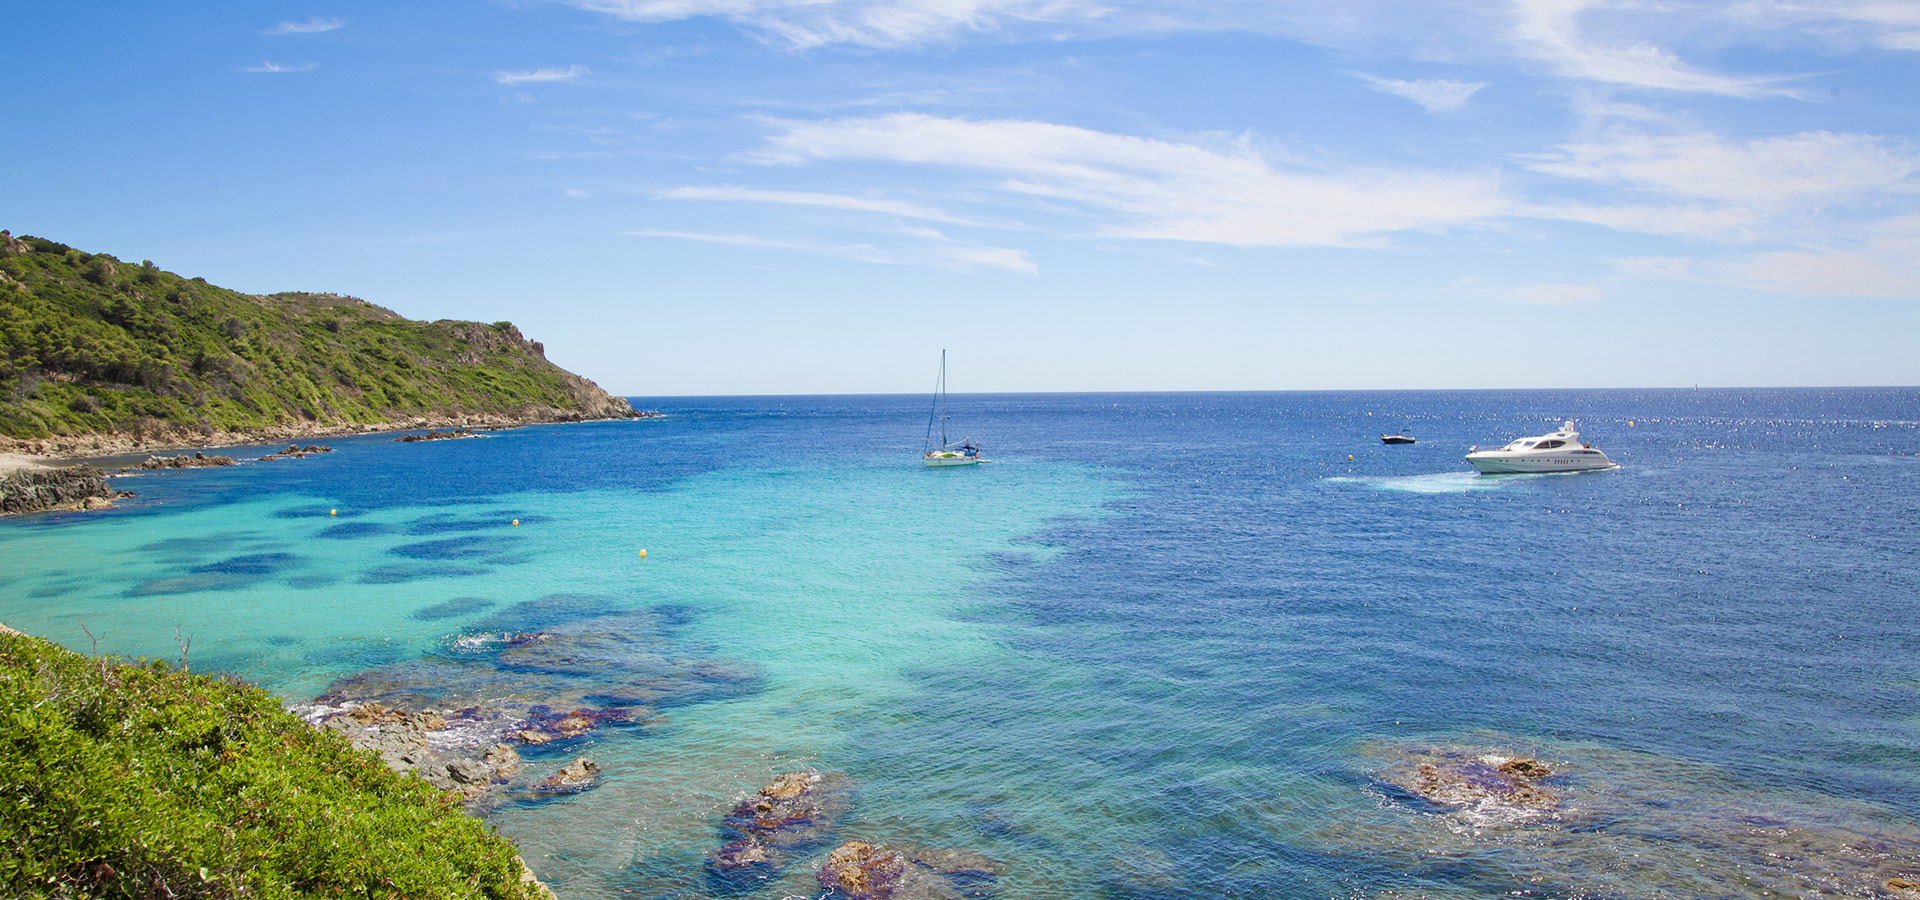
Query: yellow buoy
x,y
516,523
1629,423
1349,457
333,512
643,554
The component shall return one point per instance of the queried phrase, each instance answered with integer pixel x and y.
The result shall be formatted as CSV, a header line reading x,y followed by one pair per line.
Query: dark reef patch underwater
x,y
1166,645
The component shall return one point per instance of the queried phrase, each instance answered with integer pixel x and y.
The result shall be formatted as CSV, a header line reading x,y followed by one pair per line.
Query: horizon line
x,y
1729,387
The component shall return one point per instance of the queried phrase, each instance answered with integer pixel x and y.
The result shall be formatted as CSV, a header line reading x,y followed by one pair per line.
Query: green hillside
x,y
90,344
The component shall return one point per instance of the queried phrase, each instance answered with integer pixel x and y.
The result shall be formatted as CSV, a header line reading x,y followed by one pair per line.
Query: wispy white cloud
x,y
543,75
1842,273
1550,294
815,199
879,23
1880,259
1222,192
1434,95
1846,24
1708,186
1553,31
1623,43
731,240
315,25
1769,171
277,68
922,247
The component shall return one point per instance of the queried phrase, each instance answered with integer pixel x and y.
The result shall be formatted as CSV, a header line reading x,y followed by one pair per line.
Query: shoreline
x,y
18,462
17,454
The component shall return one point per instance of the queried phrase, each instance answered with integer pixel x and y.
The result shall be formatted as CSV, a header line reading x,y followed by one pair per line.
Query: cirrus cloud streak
x,y
547,75
1222,192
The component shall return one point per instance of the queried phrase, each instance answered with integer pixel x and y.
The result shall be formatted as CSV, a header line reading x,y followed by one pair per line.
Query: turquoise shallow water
x,y
1163,646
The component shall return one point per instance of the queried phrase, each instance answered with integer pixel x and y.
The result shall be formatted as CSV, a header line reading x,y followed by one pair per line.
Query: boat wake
x,y
1438,483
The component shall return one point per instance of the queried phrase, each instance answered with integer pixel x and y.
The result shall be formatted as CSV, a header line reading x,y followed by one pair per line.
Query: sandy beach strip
x,y
14,462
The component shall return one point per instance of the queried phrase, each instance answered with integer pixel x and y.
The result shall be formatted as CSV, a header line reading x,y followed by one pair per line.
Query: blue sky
x,y
816,196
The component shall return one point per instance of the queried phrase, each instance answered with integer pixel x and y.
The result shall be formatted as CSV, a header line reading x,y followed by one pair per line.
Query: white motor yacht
x,y
1561,451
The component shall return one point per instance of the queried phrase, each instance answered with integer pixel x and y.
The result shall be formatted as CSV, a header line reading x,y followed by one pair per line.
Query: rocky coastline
x,y
196,461
80,487
65,447
455,434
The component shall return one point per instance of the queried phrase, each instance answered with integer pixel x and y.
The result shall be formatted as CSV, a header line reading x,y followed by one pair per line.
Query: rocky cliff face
x,y
477,342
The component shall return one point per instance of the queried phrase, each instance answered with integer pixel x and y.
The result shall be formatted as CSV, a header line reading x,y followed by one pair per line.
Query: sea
x,y
1162,645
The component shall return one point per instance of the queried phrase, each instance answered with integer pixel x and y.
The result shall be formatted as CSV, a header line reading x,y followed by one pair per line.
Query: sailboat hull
x,y
937,460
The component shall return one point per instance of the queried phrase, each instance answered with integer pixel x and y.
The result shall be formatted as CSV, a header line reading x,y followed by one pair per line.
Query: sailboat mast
x,y
943,398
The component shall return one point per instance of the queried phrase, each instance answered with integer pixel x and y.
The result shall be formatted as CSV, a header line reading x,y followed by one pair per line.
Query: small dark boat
x,y
1395,439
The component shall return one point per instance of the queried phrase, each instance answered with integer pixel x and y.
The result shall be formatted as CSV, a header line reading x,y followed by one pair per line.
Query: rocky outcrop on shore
x,y
295,451
445,750
79,487
404,741
196,461
785,820
858,870
436,436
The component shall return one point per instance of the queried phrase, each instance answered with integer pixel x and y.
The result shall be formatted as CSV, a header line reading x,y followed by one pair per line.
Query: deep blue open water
x,y
1164,645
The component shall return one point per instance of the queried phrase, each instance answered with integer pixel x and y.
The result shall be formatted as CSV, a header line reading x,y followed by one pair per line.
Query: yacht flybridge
x,y
1561,451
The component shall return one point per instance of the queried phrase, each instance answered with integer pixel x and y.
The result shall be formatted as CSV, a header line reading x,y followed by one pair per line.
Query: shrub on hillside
x,y
135,780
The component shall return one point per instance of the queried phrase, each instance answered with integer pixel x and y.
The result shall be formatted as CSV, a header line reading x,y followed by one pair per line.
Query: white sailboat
x,y
955,453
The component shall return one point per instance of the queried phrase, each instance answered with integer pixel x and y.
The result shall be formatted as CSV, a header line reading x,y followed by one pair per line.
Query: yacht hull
x,y
937,461
1497,463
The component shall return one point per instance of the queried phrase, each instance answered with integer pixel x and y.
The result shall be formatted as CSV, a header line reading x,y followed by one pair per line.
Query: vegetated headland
x,y
132,778
98,355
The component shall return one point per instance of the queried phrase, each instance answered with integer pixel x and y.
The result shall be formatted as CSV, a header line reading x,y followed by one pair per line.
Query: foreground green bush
x,y
140,780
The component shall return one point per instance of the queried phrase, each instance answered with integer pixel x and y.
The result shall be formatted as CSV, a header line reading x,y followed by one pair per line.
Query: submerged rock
x,y
544,672
786,819
858,870
1601,822
1489,788
1524,768
563,680
576,777
863,871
